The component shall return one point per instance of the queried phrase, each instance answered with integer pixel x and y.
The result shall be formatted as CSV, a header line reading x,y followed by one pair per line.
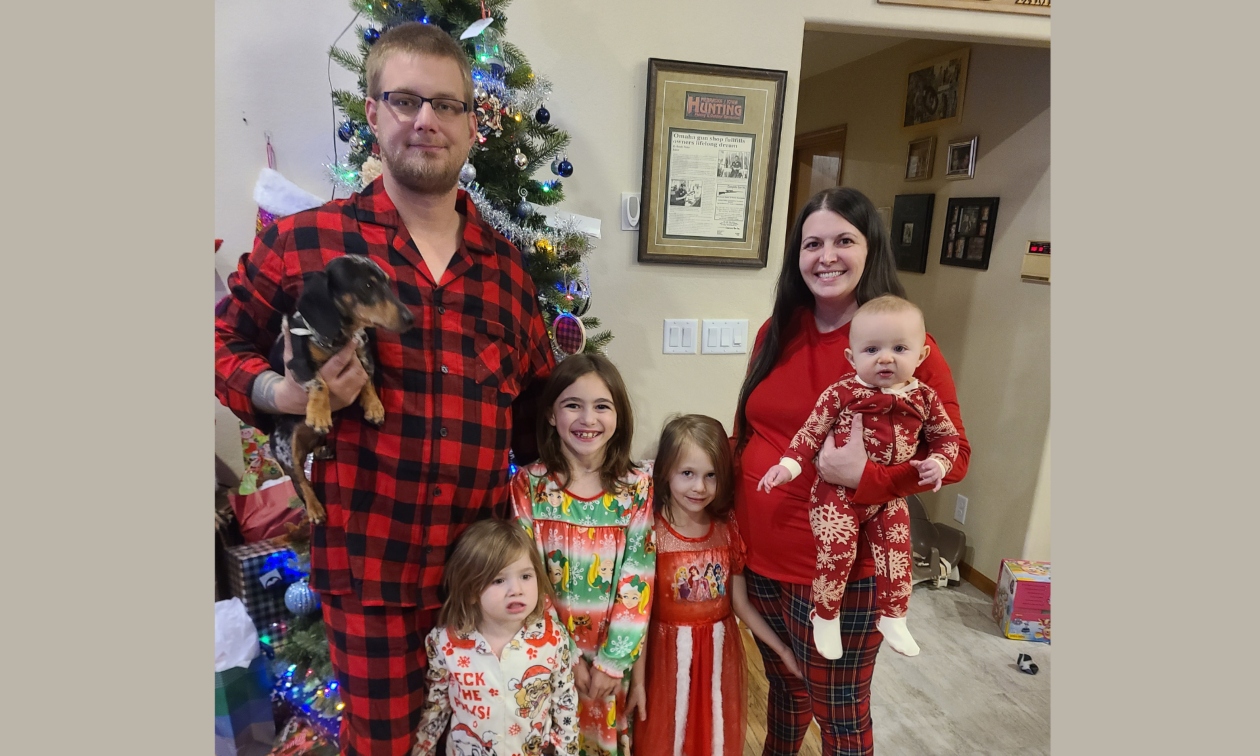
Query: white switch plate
x,y
679,336
960,509
725,337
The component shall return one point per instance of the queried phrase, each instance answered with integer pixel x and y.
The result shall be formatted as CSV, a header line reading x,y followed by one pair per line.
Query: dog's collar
x,y
299,327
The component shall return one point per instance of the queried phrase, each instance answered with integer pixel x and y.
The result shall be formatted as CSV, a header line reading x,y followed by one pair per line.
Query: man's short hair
x,y
415,38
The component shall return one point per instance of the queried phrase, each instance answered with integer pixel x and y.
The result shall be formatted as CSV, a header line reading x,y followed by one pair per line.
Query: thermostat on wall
x,y
1036,267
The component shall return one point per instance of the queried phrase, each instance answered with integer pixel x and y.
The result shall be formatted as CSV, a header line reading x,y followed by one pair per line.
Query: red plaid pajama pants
x,y
378,655
836,693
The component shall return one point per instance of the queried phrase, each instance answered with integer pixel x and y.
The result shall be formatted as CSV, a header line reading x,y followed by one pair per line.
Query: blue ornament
x,y
365,133
542,116
497,70
370,35
300,599
524,209
345,131
565,169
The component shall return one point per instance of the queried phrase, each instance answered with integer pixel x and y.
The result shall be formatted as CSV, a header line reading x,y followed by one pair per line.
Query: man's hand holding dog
x,y
343,373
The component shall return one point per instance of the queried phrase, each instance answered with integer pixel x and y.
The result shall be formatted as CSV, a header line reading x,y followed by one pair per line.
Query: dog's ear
x,y
317,306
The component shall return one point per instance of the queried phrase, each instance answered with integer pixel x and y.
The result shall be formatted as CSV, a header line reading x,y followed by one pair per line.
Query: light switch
x,y
679,336
725,337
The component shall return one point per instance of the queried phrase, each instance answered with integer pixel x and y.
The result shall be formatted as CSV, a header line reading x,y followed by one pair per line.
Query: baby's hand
x,y
930,472
773,477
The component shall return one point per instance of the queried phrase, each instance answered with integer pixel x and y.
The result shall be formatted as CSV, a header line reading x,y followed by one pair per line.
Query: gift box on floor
x,y
261,586
243,723
1021,604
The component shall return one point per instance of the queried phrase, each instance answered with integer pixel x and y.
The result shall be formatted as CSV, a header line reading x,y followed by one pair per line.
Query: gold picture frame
x,y
919,158
710,154
1027,7
935,90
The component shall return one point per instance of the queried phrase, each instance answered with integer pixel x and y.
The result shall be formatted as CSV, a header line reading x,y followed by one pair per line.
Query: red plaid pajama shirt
x,y
399,495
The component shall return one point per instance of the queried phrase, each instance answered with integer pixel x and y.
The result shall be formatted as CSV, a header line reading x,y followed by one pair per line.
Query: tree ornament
x,y
480,93
365,133
580,297
345,131
300,599
542,116
565,169
519,158
568,335
370,35
545,248
523,208
467,174
555,166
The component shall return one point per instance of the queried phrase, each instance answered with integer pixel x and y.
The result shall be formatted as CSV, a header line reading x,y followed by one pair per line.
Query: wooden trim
x,y
832,137
973,576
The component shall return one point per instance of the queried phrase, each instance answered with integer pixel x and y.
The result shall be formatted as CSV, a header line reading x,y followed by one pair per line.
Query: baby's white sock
x,y
897,634
827,636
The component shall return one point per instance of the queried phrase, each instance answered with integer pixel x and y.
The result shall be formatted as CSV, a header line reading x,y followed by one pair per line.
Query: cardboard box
x,y
1021,604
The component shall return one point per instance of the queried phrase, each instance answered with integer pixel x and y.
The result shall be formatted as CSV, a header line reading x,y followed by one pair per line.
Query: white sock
x,y
897,635
827,636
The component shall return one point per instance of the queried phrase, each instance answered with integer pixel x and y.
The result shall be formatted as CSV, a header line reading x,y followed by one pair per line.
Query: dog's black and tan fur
x,y
351,293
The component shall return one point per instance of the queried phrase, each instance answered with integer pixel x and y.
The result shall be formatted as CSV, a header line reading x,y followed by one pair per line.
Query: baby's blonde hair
x,y
889,304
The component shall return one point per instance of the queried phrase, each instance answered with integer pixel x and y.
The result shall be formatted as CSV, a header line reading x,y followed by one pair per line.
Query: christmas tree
x,y
515,139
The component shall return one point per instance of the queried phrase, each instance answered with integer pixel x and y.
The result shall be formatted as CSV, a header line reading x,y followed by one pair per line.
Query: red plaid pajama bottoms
x,y
378,654
836,693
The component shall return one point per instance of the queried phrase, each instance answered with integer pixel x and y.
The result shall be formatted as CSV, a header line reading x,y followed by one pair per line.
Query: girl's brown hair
x,y
481,553
708,436
617,463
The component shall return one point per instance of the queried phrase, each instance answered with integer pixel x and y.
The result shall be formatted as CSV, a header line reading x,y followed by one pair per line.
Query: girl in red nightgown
x,y
688,683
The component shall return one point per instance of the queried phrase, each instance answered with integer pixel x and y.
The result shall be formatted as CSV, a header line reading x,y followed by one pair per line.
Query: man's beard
x,y
434,175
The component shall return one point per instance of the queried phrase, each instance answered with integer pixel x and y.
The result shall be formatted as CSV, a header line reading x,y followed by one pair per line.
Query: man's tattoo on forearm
x,y
263,394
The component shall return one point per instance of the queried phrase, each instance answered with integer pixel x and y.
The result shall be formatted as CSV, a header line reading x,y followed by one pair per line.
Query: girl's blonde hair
x,y
481,553
708,436
617,463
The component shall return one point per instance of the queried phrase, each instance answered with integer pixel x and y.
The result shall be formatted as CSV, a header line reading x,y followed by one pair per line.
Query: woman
x,y
837,258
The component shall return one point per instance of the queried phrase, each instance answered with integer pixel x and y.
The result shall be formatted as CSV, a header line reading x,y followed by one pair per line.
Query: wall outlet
x,y
960,509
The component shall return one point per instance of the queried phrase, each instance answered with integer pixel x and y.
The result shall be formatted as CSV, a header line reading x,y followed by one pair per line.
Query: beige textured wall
x,y
1037,540
271,71
993,328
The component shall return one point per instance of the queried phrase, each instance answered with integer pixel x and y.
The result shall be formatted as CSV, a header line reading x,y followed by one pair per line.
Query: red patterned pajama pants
x,y
378,655
836,523
836,693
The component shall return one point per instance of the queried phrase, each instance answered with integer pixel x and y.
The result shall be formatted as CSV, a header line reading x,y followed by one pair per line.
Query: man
x,y
397,496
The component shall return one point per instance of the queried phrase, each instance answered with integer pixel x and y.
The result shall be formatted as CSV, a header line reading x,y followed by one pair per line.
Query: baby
x,y
887,342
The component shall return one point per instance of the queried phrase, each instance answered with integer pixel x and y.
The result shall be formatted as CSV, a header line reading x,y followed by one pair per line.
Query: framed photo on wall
x,y
970,224
910,227
919,157
710,152
960,159
1031,7
935,89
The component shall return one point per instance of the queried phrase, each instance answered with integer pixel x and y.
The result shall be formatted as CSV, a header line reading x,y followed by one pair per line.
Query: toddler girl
x,y
499,665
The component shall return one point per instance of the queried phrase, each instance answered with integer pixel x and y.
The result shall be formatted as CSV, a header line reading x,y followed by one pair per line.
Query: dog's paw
x,y
320,423
324,453
374,411
315,511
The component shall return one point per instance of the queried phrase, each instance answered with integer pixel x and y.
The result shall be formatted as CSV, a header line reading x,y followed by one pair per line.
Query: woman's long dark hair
x,y
790,293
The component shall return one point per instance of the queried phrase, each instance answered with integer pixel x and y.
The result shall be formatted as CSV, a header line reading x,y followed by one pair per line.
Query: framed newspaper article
x,y
710,152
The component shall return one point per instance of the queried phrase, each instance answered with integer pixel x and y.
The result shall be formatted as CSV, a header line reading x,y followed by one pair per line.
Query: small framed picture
x,y
911,224
919,158
960,159
969,239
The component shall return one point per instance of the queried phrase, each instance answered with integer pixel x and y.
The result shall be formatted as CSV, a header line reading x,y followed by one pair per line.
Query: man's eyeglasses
x,y
407,105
